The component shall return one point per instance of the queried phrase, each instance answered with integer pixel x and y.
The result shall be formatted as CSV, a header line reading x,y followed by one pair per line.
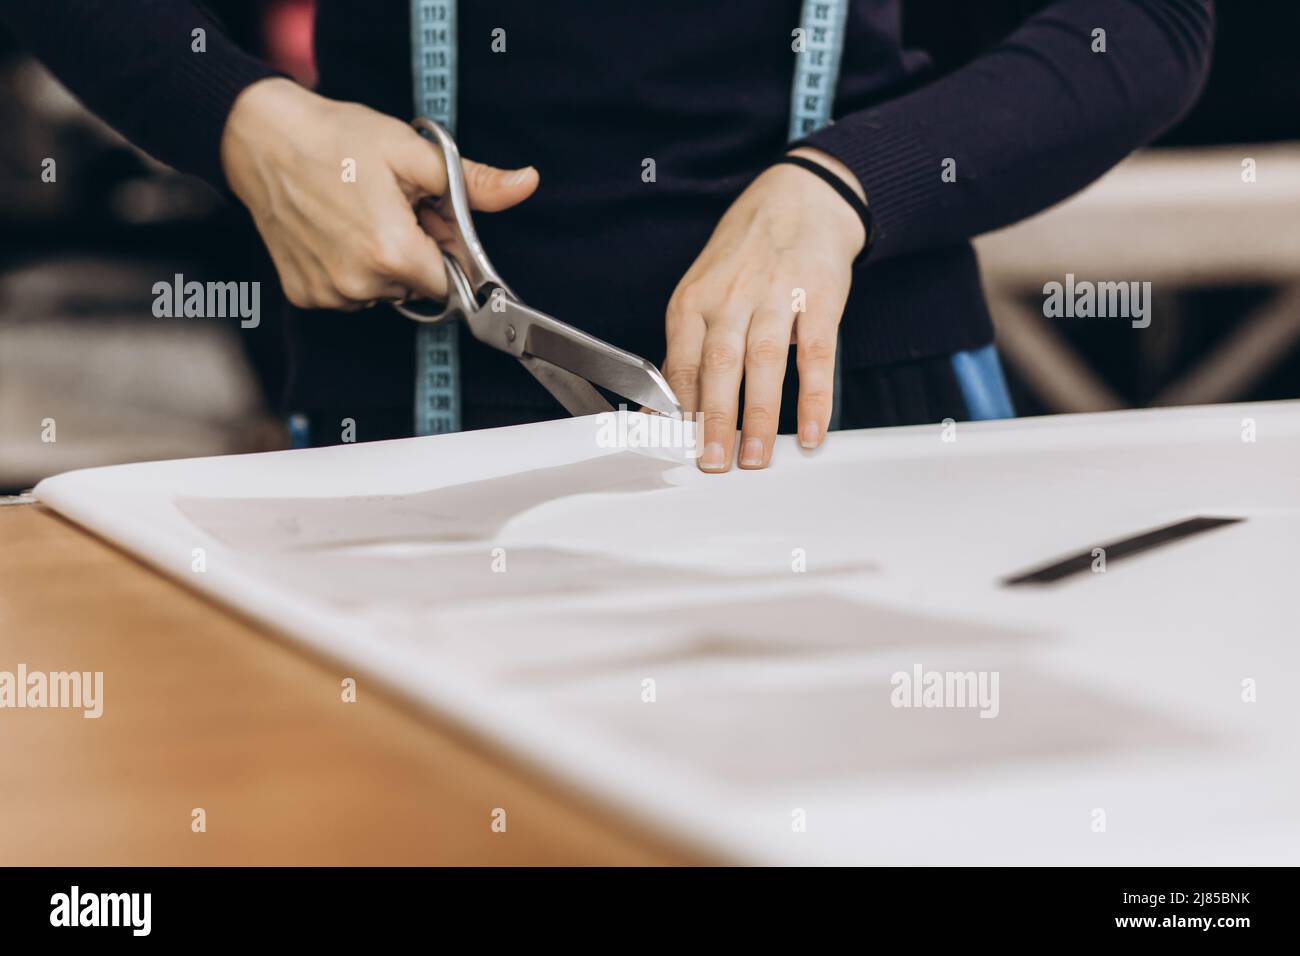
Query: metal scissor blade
x,y
572,391
509,325
606,365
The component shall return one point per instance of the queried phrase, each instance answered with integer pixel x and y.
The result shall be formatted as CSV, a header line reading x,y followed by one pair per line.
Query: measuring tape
x,y
437,346
433,52
817,66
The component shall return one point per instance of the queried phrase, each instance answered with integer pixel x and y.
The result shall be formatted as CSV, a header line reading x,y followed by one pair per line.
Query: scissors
x,y
567,361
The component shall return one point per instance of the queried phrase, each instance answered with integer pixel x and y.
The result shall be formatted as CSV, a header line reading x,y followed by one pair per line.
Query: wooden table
x,y
204,710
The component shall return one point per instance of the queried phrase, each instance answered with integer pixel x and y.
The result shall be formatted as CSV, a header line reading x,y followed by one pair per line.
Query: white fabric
x,y
1120,692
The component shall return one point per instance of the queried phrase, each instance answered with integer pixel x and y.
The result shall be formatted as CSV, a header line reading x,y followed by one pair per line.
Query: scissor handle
x,y
461,300
469,271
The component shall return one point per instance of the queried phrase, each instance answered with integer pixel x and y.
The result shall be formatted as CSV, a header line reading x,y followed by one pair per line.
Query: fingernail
x,y
518,176
712,458
751,453
808,435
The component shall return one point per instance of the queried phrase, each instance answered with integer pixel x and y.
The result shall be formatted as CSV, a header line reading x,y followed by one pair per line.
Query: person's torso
x,y
644,120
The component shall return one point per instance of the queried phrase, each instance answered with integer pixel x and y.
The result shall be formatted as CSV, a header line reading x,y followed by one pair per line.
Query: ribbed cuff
x,y
899,176
206,87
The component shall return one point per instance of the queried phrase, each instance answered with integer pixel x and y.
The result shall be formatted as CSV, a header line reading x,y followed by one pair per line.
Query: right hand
x,y
338,244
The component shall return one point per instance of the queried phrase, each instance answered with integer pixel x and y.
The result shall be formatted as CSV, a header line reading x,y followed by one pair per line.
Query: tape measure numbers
x,y
817,65
437,346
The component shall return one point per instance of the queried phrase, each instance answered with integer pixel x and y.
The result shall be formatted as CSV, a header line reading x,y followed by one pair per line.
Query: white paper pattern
x,y
528,584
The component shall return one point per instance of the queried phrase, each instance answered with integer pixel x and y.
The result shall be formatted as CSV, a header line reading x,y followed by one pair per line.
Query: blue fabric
x,y
979,374
299,427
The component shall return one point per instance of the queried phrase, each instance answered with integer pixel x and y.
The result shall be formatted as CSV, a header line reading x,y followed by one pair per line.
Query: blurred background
x,y
79,343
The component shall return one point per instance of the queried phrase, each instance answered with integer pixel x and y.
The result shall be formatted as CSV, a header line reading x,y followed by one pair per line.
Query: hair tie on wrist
x,y
846,193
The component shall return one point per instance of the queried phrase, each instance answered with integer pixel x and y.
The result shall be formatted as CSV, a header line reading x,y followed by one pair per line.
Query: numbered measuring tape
x,y
437,345
433,54
817,65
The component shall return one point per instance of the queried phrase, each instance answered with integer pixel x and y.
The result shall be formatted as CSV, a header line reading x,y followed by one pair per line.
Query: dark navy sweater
x,y
586,91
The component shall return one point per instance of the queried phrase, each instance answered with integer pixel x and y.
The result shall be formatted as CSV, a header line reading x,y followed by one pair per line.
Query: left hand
x,y
734,315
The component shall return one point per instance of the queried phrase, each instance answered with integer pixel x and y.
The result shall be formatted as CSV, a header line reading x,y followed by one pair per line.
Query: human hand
x,y
340,241
787,237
